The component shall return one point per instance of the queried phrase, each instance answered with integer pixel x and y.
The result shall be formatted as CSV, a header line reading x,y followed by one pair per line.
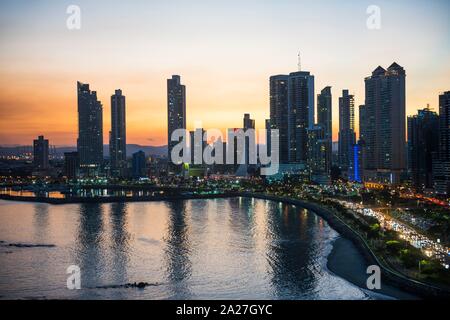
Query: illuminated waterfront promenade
x,y
430,247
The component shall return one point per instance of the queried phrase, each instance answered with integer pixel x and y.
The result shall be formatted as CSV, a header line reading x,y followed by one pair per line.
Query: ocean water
x,y
237,248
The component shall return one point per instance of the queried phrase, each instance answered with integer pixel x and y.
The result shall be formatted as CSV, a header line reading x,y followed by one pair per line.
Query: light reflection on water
x,y
235,248
77,192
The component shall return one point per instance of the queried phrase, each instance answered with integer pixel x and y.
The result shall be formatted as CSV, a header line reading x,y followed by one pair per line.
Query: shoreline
x,y
114,199
396,284
391,277
346,262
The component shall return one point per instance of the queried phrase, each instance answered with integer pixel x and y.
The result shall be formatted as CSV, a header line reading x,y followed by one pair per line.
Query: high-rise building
x,y
324,120
90,129
324,111
300,113
176,111
441,166
268,136
355,173
117,136
423,145
279,113
347,137
292,113
40,153
361,140
444,125
71,164
138,165
319,155
384,128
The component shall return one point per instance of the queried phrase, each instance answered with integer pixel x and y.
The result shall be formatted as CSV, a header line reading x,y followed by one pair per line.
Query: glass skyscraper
x,y
176,111
441,166
292,113
324,120
423,145
347,137
90,129
117,136
301,114
279,113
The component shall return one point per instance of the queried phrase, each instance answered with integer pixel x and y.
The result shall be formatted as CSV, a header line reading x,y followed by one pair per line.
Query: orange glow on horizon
x,y
28,111
224,57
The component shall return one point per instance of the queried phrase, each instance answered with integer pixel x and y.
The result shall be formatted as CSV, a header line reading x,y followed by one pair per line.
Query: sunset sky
x,y
225,52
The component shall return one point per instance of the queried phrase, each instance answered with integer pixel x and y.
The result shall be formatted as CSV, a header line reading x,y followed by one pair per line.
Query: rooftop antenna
x,y
299,62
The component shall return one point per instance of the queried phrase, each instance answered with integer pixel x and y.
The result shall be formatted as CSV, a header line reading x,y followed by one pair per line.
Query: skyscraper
x,y
361,147
324,111
444,125
90,129
324,120
40,153
117,139
385,125
347,137
441,165
362,133
423,145
300,113
279,113
176,110
319,155
354,174
268,136
292,113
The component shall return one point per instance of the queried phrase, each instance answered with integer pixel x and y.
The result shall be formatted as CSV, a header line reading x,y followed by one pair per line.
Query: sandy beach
x,y
346,262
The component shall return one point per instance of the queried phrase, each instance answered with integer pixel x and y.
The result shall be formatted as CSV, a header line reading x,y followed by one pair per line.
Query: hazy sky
x,y
225,52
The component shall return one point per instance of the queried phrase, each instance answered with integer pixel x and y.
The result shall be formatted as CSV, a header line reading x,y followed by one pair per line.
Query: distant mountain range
x,y
59,151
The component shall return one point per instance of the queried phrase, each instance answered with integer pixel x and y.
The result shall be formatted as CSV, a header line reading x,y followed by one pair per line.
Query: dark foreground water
x,y
235,248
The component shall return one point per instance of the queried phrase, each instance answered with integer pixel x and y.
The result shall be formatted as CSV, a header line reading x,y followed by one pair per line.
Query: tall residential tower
x,y
423,145
176,111
279,113
384,127
90,130
117,136
347,137
40,153
441,166
292,113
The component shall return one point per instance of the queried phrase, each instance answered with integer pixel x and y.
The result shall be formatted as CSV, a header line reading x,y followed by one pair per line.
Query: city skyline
x,y
243,70
225,151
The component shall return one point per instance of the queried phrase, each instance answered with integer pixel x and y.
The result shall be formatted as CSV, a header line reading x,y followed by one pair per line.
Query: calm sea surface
x,y
235,248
